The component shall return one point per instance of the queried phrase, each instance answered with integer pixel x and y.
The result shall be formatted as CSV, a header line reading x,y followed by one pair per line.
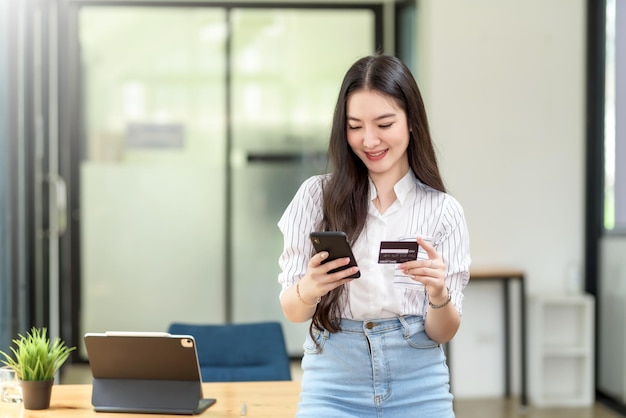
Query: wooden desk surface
x,y
495,273
262,399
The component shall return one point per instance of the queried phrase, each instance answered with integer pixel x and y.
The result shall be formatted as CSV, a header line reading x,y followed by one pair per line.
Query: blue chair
x,y
239,352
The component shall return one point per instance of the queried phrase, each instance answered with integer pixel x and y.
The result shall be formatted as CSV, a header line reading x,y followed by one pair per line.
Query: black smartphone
x,y
337,246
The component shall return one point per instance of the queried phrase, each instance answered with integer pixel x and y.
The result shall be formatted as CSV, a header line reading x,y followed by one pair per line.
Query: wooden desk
x,y
506,275
262,399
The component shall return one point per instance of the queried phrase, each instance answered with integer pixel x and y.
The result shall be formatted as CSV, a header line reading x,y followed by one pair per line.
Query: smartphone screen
x,y
337,246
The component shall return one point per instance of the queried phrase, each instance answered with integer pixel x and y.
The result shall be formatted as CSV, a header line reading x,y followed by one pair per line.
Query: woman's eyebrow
x,y
384,116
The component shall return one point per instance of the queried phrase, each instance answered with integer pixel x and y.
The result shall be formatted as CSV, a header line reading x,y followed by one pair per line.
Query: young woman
x,y
374,346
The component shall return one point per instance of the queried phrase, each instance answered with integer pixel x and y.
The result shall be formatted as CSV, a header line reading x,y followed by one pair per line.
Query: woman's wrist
x,y
441,301
303,301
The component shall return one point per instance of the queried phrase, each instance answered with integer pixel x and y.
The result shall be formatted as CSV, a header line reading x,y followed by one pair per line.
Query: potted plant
x,y
36,360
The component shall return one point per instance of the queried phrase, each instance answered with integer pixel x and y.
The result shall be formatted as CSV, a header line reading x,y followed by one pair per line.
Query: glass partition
x,y
152,189
614,124
612,245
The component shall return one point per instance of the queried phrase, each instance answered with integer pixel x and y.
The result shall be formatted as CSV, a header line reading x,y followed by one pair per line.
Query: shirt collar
x,y
402,188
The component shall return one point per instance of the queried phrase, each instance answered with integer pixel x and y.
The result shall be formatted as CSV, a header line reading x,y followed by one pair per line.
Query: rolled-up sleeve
x,y
302,216
454,247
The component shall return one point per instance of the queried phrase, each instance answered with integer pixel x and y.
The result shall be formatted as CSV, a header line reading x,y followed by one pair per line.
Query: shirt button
x,y
369,325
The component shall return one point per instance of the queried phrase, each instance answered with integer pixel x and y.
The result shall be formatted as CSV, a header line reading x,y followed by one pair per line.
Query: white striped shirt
x,y
382,291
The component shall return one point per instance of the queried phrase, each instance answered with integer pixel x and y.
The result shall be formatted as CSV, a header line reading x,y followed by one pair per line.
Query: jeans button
x,y
369,325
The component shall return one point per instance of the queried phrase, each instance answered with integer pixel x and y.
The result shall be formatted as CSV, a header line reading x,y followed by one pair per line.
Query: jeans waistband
x,y
372,326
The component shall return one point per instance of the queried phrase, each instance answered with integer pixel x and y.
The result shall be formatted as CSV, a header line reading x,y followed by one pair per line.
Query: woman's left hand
x,y
431,273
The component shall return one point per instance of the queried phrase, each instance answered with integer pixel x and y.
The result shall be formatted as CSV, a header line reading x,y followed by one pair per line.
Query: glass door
x,y
152,169
611,244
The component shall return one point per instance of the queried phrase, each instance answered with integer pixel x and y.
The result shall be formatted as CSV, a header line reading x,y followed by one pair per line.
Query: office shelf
x,y
561,357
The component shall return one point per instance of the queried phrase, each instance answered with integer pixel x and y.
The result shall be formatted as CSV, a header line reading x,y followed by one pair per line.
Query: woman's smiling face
x,y
378,132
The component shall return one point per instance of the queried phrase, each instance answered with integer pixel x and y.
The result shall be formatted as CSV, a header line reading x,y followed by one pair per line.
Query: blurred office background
x,y
199,124
148,148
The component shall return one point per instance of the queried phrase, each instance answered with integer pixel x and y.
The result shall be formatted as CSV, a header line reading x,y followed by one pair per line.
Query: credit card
x,y
394,252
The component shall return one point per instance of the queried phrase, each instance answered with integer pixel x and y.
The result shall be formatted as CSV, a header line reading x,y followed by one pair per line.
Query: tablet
x,y
145,372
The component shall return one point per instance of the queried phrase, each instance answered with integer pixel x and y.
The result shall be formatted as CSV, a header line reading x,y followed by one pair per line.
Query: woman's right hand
x,y
318,280
299,302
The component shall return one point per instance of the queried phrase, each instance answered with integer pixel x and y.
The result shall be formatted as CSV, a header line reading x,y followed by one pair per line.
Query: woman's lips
x,y
375,156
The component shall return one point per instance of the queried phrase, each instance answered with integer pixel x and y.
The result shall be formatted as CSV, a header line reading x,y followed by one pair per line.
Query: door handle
x,y
58,192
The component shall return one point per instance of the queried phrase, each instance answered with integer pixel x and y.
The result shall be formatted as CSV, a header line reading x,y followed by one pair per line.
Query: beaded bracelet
x,y
319,298
432,305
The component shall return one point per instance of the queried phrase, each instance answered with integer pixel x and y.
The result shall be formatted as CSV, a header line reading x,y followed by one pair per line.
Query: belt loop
x,y
405,325
325,334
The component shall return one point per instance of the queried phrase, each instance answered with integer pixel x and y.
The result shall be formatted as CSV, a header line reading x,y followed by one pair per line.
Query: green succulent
x,y
35,357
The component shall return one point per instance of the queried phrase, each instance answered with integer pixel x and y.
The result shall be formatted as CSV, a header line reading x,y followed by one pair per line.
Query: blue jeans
x,y
380,368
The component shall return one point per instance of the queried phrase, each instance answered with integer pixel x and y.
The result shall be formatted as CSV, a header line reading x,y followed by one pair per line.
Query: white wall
x,y
504,86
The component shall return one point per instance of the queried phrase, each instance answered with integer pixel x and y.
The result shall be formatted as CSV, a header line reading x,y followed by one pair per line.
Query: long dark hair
x,y
346,193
